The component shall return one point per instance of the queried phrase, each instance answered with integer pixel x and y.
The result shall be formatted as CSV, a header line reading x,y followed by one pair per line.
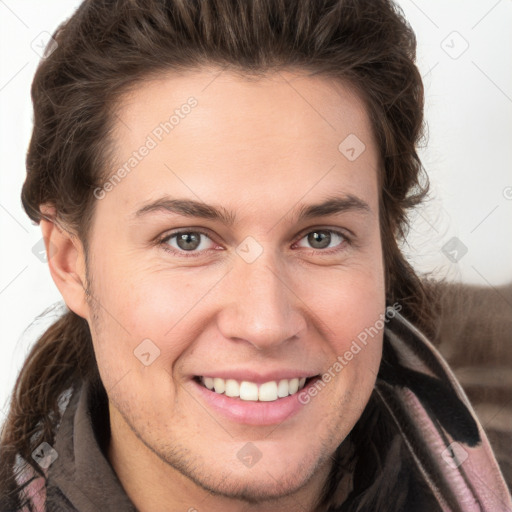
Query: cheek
x,y
164,302
350,305
144,302
137,341
347,300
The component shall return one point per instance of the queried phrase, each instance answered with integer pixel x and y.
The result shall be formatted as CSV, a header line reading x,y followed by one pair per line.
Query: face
x,y
241,251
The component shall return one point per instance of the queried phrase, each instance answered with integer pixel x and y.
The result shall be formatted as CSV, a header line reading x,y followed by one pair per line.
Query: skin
x,y
260,149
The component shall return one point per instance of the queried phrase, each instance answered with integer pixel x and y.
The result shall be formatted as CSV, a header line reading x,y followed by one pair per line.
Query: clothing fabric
x,y
437,443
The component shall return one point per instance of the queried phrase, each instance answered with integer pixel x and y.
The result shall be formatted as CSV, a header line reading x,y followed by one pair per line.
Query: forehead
x,y
212,133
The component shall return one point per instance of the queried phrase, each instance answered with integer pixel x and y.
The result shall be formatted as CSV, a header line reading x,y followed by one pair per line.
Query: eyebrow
x,y
192,208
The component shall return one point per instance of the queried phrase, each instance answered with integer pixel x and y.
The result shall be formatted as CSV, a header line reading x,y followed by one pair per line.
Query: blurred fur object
x,y
474,334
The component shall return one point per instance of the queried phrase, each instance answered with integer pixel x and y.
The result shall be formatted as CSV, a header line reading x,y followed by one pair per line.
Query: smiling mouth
x,y
252,392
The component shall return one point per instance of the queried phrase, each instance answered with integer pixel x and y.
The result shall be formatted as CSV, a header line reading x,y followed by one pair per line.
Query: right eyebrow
x,y
187,208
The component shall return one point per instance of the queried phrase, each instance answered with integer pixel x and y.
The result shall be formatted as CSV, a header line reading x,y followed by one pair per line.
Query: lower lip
x,y
251,412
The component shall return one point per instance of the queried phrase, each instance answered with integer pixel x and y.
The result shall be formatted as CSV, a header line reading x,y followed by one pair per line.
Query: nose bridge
x,y
261,308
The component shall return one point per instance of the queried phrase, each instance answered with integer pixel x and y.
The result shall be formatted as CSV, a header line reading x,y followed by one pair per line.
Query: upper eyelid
x,y
167,236
345,233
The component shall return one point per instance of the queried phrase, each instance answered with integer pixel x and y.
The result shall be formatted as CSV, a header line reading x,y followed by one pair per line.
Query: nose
x,y
261,307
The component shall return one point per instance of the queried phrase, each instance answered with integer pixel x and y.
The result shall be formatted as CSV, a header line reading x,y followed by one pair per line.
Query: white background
x,y
469,154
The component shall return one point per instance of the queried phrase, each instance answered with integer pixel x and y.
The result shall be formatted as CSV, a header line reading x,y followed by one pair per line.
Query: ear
x,y
66,260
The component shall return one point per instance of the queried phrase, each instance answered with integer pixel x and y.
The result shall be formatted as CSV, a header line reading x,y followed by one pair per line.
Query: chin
x,y
258,487
272,477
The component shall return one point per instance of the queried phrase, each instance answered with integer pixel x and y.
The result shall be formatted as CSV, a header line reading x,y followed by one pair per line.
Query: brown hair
x,y
107,47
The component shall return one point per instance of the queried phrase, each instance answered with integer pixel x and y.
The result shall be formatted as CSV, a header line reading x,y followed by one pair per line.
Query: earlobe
x,y
66,261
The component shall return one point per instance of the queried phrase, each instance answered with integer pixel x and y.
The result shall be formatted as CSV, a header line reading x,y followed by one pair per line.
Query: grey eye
x,y
322,238
189,241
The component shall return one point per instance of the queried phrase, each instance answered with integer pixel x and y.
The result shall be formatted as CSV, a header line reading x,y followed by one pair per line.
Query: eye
x,y
323,239
187,241
193,243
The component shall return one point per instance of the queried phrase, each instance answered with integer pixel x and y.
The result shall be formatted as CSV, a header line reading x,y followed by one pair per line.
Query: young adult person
x,y
222,187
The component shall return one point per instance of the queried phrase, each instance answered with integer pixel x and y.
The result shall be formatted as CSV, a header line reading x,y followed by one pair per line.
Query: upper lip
x,y
252,375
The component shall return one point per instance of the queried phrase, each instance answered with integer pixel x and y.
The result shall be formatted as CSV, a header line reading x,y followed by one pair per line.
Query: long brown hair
x,y
108,47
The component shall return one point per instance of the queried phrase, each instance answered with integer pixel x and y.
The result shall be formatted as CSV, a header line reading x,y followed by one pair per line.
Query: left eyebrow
x,y
192,208
333,206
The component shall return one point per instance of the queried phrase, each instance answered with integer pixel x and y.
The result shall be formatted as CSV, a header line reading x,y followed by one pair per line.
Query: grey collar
x,y
82,473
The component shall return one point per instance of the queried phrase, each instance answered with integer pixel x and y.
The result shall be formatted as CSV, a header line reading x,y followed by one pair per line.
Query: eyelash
x,y
163,242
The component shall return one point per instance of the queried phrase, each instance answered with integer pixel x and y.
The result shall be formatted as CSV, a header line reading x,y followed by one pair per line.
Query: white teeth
x,y
268,392
219,385
282,388
250,391
293,386
232,388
